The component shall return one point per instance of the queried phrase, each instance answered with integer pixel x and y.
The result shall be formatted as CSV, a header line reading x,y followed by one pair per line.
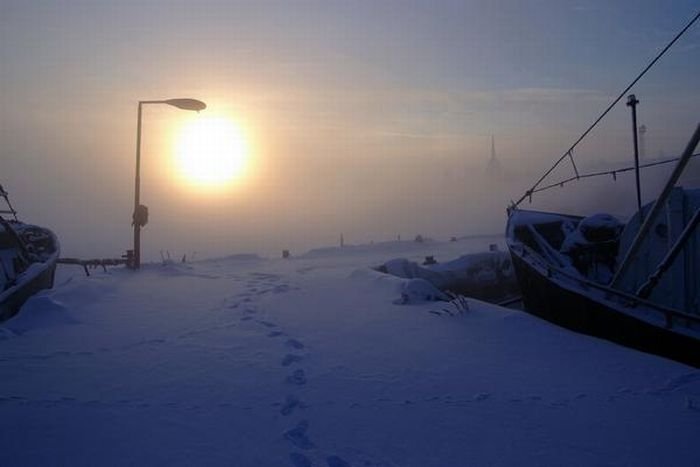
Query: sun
x,y
211,151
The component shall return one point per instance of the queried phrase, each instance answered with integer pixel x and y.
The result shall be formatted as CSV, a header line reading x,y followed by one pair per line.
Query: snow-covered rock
x,y
488,275
419,291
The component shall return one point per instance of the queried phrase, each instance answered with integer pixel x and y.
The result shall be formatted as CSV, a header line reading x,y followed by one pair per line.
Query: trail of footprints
x,y
258,284
295,379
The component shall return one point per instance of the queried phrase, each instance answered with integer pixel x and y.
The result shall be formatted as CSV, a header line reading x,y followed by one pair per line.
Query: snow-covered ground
x,y
307,361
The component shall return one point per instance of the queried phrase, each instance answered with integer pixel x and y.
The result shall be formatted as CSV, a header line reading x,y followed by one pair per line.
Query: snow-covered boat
x,y
636,284
28,256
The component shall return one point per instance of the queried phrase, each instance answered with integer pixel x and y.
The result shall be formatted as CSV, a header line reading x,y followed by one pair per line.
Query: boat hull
x,y
15,298
37,249
547,299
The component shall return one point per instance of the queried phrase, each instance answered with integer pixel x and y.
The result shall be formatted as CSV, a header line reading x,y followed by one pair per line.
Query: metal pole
x,y
656,208
646,289
137,194
632,102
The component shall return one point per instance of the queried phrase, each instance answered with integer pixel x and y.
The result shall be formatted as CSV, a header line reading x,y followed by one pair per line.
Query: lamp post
x,y
140,216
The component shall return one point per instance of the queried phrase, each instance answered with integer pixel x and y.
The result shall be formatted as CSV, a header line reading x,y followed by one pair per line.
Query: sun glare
x,y
211,151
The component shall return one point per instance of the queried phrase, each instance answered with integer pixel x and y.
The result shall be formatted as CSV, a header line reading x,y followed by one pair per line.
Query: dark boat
x,y
636,284
28,256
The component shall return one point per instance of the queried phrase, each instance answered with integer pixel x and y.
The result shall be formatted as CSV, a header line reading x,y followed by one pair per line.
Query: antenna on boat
x,y
656,209
642,142
632,101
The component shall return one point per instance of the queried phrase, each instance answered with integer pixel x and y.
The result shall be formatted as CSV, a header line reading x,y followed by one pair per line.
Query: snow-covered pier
x,y
308,361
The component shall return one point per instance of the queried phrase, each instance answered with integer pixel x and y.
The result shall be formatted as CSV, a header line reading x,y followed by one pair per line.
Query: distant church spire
x,y
493,169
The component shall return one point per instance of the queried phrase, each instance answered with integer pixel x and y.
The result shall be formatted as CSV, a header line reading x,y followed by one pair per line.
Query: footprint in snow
x,y
295,344
246,318
299,460
290,403
275,334
290,358
264,276
268,324
678,382
297,436
298,377
335,461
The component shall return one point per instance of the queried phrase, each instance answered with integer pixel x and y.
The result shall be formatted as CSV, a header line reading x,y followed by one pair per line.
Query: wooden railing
x,y
93,263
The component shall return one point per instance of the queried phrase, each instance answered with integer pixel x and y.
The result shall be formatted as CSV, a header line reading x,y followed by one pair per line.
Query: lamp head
x,y
187,104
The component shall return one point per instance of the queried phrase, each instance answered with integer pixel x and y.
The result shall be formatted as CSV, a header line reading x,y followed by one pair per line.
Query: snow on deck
x,y
307,361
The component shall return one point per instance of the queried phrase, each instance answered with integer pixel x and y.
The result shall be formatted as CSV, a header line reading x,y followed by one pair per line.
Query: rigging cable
x,y
607,172
532,190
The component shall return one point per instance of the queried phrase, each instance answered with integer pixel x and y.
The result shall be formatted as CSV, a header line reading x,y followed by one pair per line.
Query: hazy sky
x,y
370,118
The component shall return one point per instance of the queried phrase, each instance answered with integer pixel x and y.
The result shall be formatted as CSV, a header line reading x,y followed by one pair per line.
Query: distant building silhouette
x,y
493,169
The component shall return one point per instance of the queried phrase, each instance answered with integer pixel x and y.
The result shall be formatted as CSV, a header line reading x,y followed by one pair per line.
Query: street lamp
x,y
140,216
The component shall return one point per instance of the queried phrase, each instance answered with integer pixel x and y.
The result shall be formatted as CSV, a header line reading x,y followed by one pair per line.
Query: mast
x,y
632,101
656,209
